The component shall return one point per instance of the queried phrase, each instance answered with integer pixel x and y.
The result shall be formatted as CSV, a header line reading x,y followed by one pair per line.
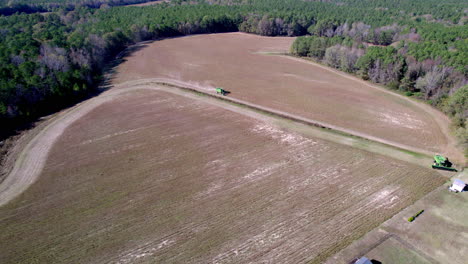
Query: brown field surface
x,y
439,235
244,65
155,177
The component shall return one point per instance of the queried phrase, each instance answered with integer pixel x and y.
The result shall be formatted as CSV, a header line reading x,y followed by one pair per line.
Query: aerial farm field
x,y
250,68
153,176
163,132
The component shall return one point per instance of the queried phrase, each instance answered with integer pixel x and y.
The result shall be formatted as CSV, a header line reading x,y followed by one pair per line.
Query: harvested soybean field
x,y
250,68
152,176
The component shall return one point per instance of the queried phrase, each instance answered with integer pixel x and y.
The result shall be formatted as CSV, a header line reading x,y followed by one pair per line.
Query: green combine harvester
x,y
442,163
220,90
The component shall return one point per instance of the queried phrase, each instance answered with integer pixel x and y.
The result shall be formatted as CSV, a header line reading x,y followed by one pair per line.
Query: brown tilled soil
x,y
238,63
156,177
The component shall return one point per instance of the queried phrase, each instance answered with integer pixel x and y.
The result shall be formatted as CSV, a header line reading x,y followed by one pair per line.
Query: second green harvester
x,y
442,163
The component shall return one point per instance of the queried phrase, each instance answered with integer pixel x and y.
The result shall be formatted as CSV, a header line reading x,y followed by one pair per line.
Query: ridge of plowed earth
x,y
234,61
151,176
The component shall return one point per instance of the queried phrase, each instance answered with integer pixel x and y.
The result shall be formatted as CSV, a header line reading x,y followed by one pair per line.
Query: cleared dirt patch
x,y
156,177
238,63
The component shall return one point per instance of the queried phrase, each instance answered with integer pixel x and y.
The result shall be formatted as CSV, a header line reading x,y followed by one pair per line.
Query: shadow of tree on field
x,y
110,69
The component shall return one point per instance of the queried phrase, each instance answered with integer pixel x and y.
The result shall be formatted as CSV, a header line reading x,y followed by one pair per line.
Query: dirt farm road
x,y
31,160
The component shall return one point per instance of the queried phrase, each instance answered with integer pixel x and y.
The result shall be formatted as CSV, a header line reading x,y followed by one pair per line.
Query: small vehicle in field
x,y
442,163
220,90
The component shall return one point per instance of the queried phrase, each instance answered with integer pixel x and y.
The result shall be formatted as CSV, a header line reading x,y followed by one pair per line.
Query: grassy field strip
x,y
308,126
307,121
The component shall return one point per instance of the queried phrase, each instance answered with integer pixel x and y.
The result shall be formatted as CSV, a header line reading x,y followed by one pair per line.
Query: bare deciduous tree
x,y
265,27
332,56
431,83
54,58
81,57
359,31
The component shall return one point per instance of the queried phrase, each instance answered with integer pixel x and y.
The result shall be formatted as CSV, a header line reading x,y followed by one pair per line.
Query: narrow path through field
x,y
32,159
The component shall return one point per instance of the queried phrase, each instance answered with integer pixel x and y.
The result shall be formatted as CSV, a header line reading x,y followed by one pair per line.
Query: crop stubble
x,y
233,61
152,176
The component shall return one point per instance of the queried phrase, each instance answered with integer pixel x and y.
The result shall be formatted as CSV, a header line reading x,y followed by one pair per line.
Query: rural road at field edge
x,y
31,160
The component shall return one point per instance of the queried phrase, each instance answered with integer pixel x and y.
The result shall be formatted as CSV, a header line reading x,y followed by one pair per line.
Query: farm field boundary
x,y
31,160
281,114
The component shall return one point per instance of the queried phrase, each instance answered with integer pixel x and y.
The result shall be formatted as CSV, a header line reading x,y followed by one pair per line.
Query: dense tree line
x,y
10,7
48,61
450,11
456,106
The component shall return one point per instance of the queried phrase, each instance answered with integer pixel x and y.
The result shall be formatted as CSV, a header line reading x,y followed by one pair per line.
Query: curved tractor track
x,y
31,160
